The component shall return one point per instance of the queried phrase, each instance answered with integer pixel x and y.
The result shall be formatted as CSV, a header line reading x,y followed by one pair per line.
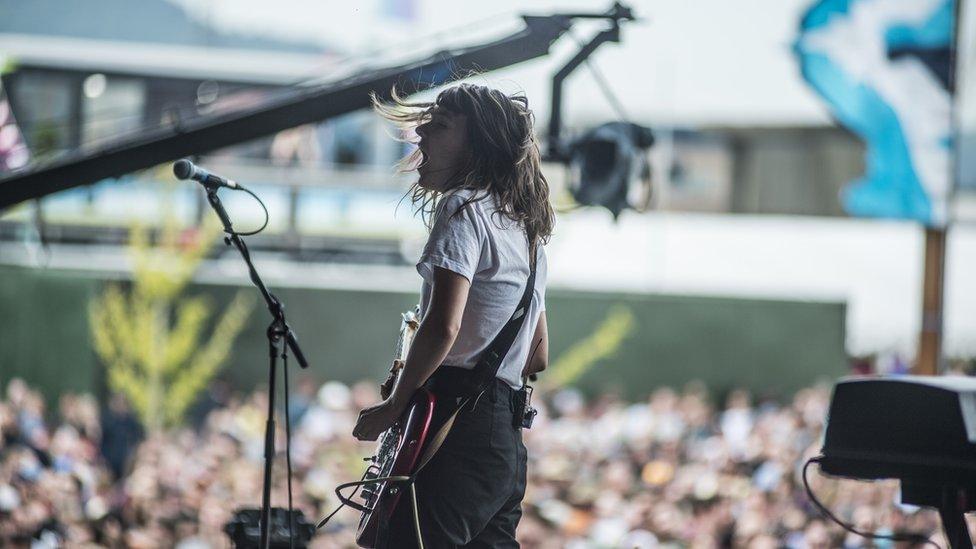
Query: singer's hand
x,y
386,388
376,419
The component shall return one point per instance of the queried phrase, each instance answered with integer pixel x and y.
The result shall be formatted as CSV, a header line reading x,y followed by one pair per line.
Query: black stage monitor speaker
x,y
906,427
921,430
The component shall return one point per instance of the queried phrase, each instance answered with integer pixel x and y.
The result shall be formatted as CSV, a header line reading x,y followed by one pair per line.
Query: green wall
x,y
44,331
770,346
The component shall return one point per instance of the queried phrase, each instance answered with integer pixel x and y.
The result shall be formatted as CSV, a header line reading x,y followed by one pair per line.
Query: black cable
x,y
291,515
916,537
267,217
341,505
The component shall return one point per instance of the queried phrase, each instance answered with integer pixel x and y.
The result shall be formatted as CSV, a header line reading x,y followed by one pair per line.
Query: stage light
x,y
609,167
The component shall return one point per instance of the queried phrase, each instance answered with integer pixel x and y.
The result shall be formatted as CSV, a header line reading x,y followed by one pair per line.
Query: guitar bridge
x,y
368,491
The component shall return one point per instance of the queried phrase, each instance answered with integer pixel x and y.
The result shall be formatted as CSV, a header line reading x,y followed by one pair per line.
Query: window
x,y
111,107
42,103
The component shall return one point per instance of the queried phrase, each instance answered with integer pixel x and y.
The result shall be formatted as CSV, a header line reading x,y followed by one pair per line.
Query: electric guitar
x,y
398,448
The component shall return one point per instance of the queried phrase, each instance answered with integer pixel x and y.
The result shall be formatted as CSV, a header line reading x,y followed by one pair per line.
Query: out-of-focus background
x,y
694,335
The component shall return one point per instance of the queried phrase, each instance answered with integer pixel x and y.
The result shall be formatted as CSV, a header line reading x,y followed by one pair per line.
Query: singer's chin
x,y
424,181
431,182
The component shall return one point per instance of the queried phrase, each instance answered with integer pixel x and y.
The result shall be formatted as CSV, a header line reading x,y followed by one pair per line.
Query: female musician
x,y
484,198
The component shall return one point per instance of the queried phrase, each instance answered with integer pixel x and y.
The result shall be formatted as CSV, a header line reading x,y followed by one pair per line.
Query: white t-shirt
x,y
492,252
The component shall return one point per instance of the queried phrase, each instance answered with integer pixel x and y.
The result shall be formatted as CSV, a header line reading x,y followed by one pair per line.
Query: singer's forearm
x,y
436,334
430,346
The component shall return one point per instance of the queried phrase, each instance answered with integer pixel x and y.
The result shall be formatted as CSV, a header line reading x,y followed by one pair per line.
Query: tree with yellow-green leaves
x,y
149,335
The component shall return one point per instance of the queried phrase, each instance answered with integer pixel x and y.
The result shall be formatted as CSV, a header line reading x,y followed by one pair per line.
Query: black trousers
x,y
470,493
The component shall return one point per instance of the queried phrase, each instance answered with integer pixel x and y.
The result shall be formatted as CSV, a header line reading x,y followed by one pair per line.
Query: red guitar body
x,y
397,454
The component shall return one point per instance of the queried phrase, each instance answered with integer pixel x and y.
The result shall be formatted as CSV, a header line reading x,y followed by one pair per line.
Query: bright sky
x,y
688,61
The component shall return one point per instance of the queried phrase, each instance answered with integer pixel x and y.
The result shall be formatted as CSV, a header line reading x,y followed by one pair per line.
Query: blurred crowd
x,y
675,470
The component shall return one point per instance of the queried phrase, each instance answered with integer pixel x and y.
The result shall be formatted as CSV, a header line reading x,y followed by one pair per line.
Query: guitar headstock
x,y
410,322
411,318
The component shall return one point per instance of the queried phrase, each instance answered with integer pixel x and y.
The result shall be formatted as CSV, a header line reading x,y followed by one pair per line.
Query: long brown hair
x,y
505,160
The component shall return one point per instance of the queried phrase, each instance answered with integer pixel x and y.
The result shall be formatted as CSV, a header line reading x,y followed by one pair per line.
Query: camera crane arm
x,y
209,133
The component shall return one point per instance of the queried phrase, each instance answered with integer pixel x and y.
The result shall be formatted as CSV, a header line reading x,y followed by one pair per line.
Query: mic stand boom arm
x,y
276,308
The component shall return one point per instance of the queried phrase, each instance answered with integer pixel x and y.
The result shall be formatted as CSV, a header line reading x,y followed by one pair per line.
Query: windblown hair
x,y
505,160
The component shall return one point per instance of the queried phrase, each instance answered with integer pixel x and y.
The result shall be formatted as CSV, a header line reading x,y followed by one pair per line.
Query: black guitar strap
x,y
493,355
483,375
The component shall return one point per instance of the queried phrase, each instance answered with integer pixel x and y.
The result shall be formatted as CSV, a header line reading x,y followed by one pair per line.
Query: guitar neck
x,y
408,329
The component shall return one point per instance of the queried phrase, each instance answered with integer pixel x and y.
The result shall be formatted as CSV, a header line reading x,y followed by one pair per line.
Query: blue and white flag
x,y
882,66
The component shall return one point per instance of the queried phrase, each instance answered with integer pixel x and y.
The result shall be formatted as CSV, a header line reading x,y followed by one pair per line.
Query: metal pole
x,y
930,340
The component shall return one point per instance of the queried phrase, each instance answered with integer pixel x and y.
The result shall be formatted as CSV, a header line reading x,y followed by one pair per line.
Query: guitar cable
x,y
342,500
359,483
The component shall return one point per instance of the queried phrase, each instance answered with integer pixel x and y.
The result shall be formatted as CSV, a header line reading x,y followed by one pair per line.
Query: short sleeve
x,y
455,241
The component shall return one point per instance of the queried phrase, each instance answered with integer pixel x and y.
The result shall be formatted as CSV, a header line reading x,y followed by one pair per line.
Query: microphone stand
x,y
278,332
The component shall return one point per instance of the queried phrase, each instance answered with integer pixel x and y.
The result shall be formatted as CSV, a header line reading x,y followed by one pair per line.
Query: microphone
x,y
184,169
